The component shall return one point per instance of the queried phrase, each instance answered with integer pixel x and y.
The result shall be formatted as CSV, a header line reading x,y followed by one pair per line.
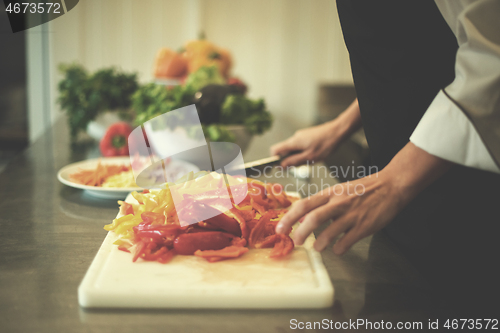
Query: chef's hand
x,y
317,142
362,207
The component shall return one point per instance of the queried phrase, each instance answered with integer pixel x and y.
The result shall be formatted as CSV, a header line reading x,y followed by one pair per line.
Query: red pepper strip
x,y
235,213
194,228
269,191
226,223
123,248
239,242
154,236
238,192
153,256
150,252
139,250
258,198
149,236
257,189
145,191
270,228
268,242
187,244
280,195
246,201
258,231
163,230
126,208
161,235
277,212
251,224
248,215
257,207
225,253
283,246
166,257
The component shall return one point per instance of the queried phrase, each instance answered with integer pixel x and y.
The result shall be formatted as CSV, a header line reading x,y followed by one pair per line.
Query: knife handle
x,y
290,153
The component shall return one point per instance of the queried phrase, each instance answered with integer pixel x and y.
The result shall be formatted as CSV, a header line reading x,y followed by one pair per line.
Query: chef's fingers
x,y
312,220
299,209
337,227
296,159
283,147
349,239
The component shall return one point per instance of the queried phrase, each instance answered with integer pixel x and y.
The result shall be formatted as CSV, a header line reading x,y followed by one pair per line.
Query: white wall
x,y
281,48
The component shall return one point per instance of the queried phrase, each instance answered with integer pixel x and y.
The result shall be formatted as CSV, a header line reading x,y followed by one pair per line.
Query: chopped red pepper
x,y
268,242
239,242
235,213
282,247
188,244
258,232
228,232
225,253
280,195
225,223
126,208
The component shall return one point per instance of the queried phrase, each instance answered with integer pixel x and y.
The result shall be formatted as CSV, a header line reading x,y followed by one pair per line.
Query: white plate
x,y
180,167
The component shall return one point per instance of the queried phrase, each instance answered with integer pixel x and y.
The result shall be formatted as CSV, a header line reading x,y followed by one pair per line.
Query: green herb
x,y
237,109
204,76
83,96
218,133
152,100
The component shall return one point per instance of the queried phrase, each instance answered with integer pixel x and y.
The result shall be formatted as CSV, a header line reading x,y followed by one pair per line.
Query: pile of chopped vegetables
x,y
154,230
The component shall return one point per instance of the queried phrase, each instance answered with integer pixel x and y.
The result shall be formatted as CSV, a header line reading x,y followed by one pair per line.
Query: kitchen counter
x,y
50,233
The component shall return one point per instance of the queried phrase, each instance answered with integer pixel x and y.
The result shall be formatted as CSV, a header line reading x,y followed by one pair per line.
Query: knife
x,y
260,163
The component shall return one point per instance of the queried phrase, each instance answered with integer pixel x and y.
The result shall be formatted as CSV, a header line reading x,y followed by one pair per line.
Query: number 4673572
x,y
27,7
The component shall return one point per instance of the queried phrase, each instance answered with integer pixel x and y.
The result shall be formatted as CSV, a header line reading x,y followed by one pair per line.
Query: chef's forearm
x,y
348,121
412,170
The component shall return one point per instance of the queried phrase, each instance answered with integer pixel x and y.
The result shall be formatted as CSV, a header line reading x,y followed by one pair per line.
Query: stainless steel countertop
x,y
49,234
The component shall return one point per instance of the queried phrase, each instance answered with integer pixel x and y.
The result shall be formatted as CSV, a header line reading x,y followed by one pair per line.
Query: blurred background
x,y
290,53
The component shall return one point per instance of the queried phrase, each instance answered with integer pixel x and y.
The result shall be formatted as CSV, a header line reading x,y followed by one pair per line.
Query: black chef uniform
x,y
402,53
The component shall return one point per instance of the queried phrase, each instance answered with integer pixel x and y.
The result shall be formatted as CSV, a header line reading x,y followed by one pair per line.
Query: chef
x,y
427,77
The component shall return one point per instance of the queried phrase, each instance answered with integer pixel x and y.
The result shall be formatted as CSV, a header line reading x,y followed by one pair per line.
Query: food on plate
x,y
97,176
122,179
193,217
114,141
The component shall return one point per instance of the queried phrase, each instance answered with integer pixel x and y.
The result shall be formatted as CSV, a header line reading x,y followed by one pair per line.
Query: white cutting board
x,y
252,281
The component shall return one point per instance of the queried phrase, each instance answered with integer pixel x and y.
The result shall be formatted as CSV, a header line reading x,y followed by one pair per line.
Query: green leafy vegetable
x,y
237,109
204,76
83,96
218,133
152,100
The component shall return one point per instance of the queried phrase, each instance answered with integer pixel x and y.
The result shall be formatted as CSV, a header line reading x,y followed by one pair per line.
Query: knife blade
x,y
261,162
